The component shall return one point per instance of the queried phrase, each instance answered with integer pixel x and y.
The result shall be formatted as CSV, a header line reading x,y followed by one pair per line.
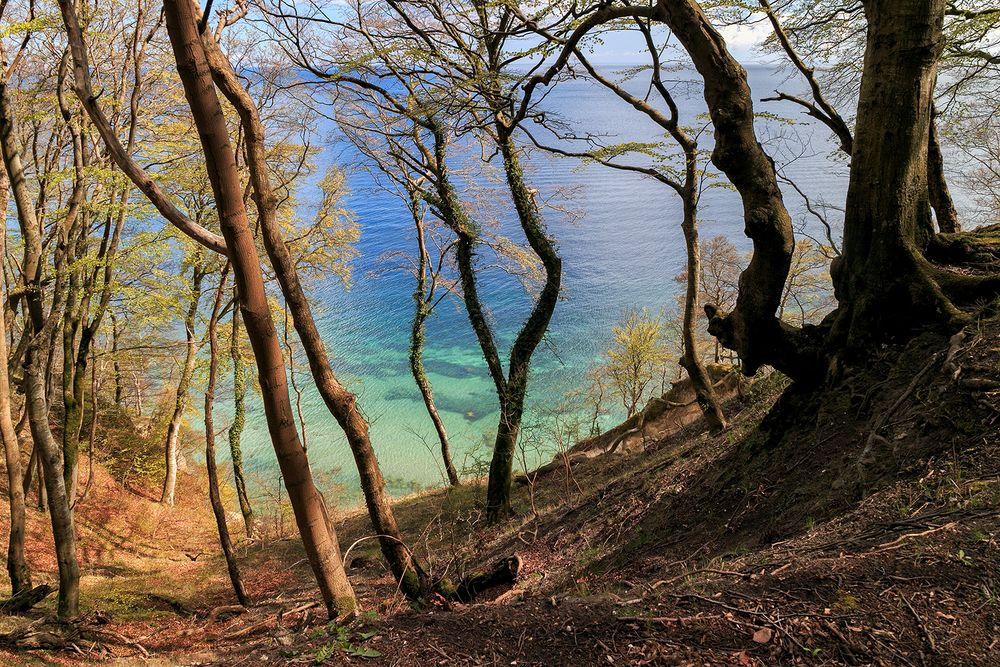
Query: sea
x,y
622,248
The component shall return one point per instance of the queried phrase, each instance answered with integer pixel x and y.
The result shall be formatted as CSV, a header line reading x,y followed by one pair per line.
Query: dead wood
x,y
225,611
503,572
25,599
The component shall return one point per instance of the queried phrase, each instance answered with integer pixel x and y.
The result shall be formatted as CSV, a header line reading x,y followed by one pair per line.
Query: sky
x,y
622,48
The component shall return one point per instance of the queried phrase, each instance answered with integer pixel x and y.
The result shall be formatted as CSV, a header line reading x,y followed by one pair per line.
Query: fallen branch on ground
x,y
25,599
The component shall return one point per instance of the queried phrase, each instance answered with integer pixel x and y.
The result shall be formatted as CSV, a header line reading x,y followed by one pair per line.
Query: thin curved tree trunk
x,y
448,204
701,382
181,397
29,470
92,436
119,385
82,323
341,403
220,160
236,428
512,402
422,311
41,337
213,474
511,388
17,566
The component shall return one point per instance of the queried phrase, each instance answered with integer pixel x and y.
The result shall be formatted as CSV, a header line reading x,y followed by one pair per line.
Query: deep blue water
x,y
623,250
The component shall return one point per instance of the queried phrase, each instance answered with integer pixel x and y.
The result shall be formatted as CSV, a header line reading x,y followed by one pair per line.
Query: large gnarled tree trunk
x,y
882,281
752,329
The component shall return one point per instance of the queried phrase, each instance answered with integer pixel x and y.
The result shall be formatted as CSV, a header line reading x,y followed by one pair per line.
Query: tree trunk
x,y
341,403
41,495
29,470
882,283
41,331
424,385
422,311
119,385
17,567
72,244
502,464
59,509
92,436
701,382
447,202
81,324
220,161
937,183
236,428
528,339
752,329
213,474
72,398
181,398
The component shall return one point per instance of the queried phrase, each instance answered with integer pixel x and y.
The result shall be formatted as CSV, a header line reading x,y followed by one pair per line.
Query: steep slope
x,y
853,524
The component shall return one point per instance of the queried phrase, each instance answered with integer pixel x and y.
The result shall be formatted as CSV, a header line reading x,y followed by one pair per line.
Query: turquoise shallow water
x,y
623,251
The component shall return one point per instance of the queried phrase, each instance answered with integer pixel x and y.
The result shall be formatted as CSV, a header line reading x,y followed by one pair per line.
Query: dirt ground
x,y
857,526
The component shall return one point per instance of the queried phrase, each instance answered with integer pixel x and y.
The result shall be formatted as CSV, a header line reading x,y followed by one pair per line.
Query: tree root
x,y
965,264
874,437
56,635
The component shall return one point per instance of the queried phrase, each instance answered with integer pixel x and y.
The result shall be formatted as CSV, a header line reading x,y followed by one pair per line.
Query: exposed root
x,y
52,634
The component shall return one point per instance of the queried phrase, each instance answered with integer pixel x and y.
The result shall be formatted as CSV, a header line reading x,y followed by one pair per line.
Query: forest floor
x,y
854,525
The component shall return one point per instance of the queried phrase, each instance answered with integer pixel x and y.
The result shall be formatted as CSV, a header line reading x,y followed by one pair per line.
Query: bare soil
x,y
856,524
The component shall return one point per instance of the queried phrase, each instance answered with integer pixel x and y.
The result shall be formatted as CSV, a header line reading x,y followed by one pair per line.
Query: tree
x,y
199,270
213,476
687,183
808,293
831,34
238,243
426,298
235,432
91,271
341,402
721,266
392,143
462,67
636,357
17,566
38,339
885,285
